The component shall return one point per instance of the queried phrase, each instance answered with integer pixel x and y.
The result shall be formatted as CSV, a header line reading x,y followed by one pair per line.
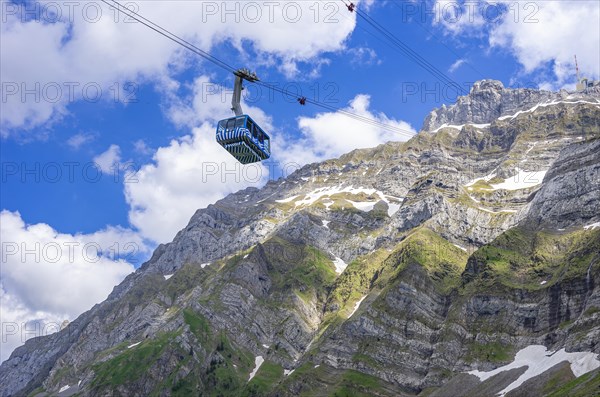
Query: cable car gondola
x,y
240,135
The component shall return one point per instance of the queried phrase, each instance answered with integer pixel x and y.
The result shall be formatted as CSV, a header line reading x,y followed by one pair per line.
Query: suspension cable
x,y
191,47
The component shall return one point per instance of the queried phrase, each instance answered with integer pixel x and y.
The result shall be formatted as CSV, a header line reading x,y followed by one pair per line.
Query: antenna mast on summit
x,y
576,68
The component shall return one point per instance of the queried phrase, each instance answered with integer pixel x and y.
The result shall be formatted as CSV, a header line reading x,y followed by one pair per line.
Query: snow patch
x,y
317,194
529,149
340,265
460,127
538,360
258,361
134,345
245,256
543,282
592,226
486,178
288,372
541,105
458,246
168,276
521,180
317,366
357,305
266,346
287,200
202,266
64,388
497,212
364,206
446,125
393,208
325,223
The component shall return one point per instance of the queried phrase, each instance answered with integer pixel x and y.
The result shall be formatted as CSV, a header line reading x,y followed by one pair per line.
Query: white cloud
x,y
48,276
536,33
141,147
78,140
329,135
108,160
554,33
456,65
364,56
75,56
457,16
20,323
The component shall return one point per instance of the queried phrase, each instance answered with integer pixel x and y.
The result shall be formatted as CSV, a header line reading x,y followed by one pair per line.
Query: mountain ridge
x,y
455,224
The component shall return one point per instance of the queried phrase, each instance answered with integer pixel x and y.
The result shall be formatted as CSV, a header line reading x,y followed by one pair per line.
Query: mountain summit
x,y
464,262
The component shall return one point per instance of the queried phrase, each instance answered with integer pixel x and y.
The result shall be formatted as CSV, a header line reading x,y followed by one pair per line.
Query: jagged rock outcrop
x,y
488,100
570,190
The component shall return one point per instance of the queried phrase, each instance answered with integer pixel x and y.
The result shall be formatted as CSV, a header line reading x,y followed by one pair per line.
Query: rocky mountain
x,y
464,262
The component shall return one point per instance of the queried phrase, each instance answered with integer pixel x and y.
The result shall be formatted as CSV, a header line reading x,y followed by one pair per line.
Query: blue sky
x,y
143,110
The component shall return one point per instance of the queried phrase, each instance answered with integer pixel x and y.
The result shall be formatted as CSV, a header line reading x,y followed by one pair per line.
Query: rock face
x,y
390,271
488,100
570,192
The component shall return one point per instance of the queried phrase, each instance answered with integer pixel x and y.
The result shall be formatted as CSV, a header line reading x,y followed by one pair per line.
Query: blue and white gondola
x,y
243,139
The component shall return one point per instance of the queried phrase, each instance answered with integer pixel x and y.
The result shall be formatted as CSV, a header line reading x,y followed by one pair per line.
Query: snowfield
x,y
258,361
521,180
340,265
538,360
541,105
592,226
366,206
357,305
460,127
